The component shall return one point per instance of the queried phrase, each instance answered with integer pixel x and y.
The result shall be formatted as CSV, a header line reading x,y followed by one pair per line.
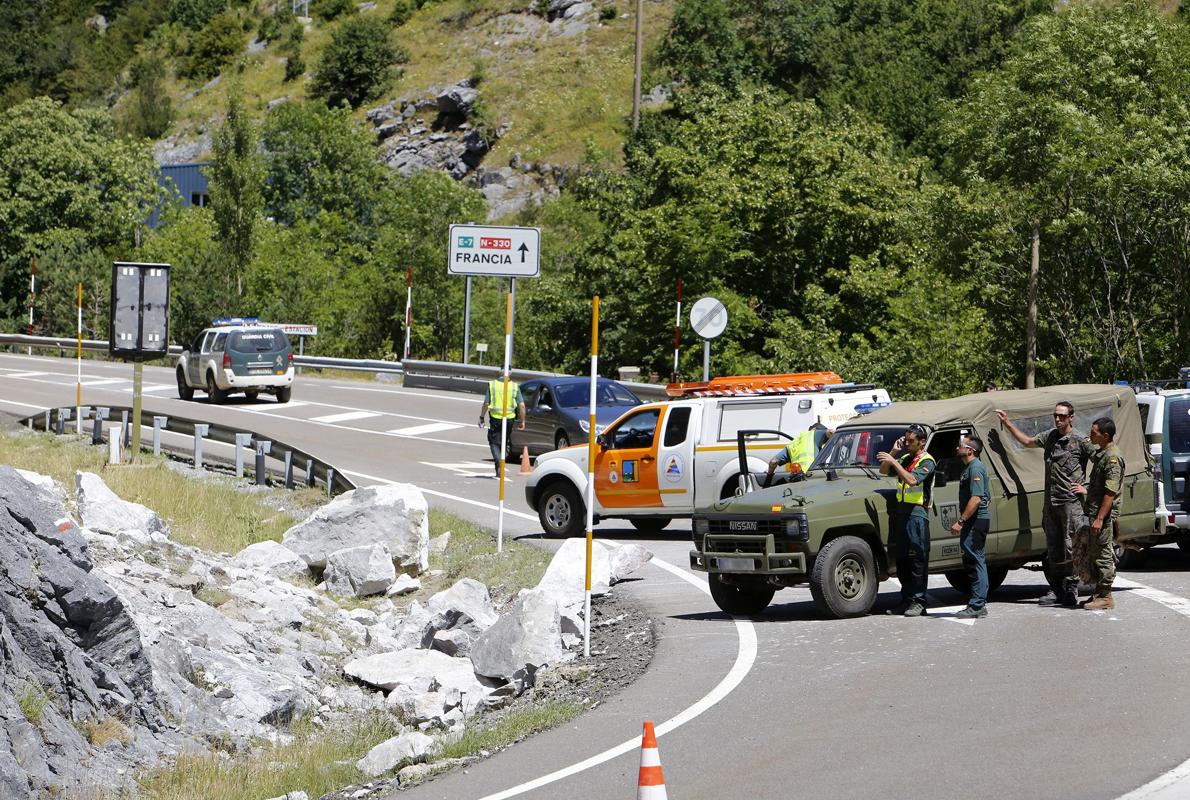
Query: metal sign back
x,y
140,311
494,251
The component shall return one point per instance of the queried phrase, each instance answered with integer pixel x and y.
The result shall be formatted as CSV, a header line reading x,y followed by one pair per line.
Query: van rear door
x,y
1175,455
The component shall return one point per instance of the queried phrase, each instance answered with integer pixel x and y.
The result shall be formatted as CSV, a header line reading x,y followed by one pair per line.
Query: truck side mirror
x,y
601,440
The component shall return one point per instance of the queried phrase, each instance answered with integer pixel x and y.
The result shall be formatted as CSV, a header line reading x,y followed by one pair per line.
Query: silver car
x,y
557,410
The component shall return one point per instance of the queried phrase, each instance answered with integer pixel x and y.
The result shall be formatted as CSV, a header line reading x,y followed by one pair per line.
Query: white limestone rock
x,y
419,671
359,571
395,515
271,558
404,584
407,747
105,512
564,577
522,641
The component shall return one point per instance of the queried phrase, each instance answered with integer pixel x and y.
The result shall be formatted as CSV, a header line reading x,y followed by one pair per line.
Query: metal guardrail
x,y
291,465
446,375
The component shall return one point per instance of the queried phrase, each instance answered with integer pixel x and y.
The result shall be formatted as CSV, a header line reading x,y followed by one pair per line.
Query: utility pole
x,y
640,10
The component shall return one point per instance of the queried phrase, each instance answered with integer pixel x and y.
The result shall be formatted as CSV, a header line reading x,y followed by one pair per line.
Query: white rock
x,y
404,584
293,796
359,571
467,607
522,641
103,511
420,671
625,560
392,514
564,577
46,484
439,543
409,746
271,558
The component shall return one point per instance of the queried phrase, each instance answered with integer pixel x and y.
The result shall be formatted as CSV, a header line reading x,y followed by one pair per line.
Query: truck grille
x,y
760,527
735,545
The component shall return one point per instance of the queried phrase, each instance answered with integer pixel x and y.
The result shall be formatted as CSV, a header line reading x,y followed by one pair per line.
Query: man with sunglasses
x,y
1066,455
975,517
914,468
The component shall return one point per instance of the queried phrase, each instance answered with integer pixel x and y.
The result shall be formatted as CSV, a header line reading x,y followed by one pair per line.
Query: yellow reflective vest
x,y
498,406
801,451
913,495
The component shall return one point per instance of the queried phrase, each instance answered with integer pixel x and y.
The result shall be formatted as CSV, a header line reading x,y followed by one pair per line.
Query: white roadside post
x,y
78,407
591,477
408,310
507,401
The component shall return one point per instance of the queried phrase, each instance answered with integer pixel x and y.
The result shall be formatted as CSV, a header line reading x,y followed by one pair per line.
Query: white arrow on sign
x,y
708,317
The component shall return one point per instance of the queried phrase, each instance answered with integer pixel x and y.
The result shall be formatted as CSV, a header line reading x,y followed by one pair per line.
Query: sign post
x,y
708,317
591,475
139,324
78,422
505,252
408,311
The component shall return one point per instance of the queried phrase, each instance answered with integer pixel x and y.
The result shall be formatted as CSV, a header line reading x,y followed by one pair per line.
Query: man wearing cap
x,y
1101,499
975,517
914,468
1066,454
799,454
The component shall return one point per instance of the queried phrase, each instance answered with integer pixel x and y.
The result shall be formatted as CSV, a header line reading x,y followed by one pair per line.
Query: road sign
x,y
708,317
504,252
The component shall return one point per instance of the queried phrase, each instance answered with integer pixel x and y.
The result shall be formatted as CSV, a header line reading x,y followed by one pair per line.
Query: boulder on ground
x,y
466,607
395,515
458,100
404,584
359,571
271,558
407,747
522,641
104,512
419,670
564,577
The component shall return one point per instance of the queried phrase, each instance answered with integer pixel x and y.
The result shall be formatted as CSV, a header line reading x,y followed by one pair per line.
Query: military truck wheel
x,y
744,601
957,578
844,581
651,524
214,393
561,510
184,390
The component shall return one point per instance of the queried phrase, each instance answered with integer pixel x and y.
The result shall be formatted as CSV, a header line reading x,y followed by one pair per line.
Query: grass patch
x,y
33,701
210,514
316,761
212,597
472,554
105,731
512,728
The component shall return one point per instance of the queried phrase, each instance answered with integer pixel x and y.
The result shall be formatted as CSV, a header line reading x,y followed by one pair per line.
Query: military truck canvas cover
x,y
1023,469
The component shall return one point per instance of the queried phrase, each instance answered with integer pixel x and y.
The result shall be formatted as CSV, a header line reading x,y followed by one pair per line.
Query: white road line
x,y
276,407
433,427
745,658
478,399
103,381
157,387
362,430
469,469
1175,784
24,375
23,405
347,416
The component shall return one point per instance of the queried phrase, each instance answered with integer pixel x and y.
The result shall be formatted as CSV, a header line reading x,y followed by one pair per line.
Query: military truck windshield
x,y
857,446
258,341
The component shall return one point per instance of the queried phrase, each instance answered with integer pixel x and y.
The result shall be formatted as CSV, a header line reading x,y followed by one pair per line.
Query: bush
x,y
357,65
195,14
295,67
216,45
148,112
607,12
402,12
333,9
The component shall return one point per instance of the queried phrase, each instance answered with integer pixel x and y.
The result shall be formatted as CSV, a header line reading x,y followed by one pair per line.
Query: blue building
x,y
187,183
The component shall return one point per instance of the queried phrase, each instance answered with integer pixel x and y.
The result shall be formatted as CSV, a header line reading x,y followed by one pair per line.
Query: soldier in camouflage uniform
x,y
1101,499
1066,455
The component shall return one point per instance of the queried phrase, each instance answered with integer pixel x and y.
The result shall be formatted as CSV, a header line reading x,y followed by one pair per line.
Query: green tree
x,y
215,46
195,14
186,239
236,179
148,112
357,65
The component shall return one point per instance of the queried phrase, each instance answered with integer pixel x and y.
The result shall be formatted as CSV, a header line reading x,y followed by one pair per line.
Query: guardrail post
x,y
200,430
330,481
113,445
310,473
63,415
81,414
47,420
97,428
242,440
29,422
125,428
262,449
288,469
158,424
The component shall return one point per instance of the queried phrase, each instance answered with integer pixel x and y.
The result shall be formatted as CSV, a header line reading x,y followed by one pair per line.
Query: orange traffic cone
x,y
651,785
525,468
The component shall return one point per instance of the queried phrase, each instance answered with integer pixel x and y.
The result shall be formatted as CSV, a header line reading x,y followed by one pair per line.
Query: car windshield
x,y
577,394
857,446
258,341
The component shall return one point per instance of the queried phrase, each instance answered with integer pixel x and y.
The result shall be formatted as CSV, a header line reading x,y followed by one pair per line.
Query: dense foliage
x,y
358,63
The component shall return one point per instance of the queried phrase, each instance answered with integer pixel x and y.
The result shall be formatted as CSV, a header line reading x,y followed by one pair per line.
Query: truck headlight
x,y
701,526
797,528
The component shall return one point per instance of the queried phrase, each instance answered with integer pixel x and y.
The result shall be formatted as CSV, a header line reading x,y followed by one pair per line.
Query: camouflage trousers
x,y
1094,557
1060,524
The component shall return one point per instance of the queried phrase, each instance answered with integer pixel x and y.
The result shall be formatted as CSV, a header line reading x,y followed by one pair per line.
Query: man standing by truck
x,y
914,468
975,517
1101,498
1066,454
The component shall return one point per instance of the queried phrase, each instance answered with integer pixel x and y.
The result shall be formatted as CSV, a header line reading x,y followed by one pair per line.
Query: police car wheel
x,y
251,394
214,395
844,581
184,390
561,511
283,394
651,524
561,441
743,599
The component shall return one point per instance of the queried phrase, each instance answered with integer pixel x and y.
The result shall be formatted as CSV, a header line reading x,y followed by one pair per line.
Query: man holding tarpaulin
x,y
1066,453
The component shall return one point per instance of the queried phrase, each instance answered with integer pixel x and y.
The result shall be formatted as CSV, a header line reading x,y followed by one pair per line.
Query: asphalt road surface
x,y
1028,703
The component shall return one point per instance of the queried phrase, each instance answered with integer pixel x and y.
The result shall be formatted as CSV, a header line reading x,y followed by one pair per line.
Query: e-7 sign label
x,y
494,251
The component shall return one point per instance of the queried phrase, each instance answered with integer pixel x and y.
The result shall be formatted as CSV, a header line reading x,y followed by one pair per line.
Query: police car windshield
x,y
852,446
258,341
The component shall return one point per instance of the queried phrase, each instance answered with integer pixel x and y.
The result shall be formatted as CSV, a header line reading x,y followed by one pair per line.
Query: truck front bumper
x,y
743,554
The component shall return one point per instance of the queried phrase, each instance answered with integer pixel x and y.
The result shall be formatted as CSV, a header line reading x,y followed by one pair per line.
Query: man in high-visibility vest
x,y
496,408
914,468
801,451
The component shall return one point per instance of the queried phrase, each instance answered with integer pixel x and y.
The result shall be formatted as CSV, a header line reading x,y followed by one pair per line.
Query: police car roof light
x,y
222,321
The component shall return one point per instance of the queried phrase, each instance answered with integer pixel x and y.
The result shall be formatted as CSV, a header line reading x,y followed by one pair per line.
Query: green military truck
x,y
832,529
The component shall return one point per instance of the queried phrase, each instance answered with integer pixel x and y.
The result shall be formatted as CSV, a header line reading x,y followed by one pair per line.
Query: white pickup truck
x,y
663,460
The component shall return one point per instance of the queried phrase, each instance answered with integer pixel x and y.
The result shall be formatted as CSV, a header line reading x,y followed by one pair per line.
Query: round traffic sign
x,y
708,317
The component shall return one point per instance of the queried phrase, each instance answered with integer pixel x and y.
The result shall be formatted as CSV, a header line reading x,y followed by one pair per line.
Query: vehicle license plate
x,y
736,564
259,371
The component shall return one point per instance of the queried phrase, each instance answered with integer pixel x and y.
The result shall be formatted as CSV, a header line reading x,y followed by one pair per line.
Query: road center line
x,y
745,658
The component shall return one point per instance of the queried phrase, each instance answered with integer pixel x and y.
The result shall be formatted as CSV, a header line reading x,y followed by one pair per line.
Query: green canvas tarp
x,y
1023,469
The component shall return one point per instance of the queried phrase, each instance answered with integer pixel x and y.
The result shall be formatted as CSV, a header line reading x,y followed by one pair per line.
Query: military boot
x,y
1068,597
1101,602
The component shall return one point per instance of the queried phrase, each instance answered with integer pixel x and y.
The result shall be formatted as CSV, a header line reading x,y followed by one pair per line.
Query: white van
x,y
1165,411
663,460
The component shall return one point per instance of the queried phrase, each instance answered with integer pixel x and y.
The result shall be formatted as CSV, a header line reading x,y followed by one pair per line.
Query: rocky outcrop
x,y
458,616
395,515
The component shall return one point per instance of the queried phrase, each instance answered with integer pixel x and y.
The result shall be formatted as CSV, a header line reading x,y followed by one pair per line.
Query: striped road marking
x,y
25,375
346,416
422,430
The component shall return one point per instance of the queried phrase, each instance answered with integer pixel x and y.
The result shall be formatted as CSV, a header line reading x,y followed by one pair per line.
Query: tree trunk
x,y
1031,326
